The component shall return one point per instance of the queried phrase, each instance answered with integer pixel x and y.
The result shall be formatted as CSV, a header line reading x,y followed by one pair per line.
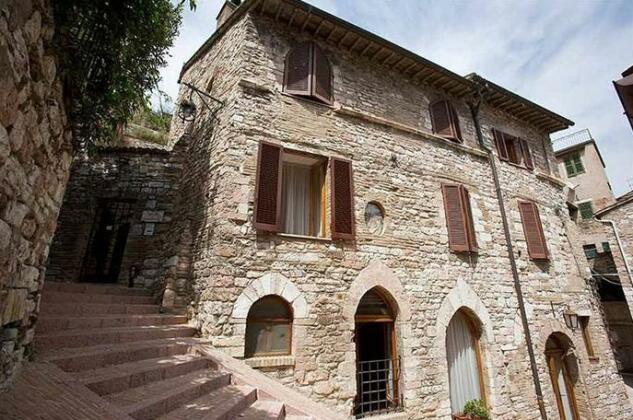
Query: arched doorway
x,y
465,368
560,364
377,361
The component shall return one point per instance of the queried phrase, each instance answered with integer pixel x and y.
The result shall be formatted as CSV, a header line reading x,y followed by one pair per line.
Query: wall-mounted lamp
x,y
571,320
187,110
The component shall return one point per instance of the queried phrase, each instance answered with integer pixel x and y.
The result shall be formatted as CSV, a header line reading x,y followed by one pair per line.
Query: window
x,y
308,73
533,230
268,327
459,219
290,193
590,251
562,384
513,149
374,218
586,335
606,247
445,121
303,194
586,210
464,362
573,165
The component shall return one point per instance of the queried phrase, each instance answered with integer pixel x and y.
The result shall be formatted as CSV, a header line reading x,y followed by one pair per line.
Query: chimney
x,y
227,10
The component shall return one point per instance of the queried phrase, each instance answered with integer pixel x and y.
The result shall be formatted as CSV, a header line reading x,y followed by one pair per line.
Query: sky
x,y
560,54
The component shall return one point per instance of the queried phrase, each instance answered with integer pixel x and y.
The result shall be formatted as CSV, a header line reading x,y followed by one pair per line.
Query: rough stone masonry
x,y
35,155
380,121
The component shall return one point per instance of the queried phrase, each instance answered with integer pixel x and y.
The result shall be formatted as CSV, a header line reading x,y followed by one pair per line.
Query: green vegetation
x,y
476,409
110,54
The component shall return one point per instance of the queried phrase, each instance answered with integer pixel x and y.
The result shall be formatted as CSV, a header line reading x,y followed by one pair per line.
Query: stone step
x,y
93,357
222,404
297,417
93,337
81,309
47,324
263,410
57,297
156,399
116,378
92,288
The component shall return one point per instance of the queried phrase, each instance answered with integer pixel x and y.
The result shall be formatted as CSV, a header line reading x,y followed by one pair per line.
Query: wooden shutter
x,y
342,226
501,144
298,80
459,222
321,76
527,154
268,187
533,230
444,120
470,225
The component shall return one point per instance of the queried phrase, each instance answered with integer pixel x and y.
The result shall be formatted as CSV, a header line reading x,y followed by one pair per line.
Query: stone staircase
x,y
114,341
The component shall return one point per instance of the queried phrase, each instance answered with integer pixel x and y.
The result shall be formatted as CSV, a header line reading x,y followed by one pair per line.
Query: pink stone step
x,y
93,357
263,410
48,324
93,337
222,404
91,288
81,309
56,297
153,400
124,376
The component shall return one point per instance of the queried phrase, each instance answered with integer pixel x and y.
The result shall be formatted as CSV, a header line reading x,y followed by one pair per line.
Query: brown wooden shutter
x,y
342,199
533,230
298,80
456,218
470,224
527,154
321,76
268,187
457,132
501,144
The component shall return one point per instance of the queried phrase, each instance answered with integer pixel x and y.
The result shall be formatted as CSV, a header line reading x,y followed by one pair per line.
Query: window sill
x,y
516,165
270,361
304,237
306,99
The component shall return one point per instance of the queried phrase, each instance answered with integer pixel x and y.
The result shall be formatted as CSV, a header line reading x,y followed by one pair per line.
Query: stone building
x,y
624,89
116,211
35,155
591,202
353,209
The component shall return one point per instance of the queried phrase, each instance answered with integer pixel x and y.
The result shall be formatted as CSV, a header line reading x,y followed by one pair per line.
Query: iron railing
x,y
378,384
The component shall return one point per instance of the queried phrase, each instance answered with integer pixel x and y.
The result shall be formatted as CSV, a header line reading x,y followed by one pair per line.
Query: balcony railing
x,y
571,139
378,387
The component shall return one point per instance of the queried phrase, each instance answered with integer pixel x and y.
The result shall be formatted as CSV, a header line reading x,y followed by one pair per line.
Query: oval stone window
x,y
374,218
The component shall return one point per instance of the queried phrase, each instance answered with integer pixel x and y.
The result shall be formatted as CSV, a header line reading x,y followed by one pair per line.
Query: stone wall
x,y
35,155
146,177
402,169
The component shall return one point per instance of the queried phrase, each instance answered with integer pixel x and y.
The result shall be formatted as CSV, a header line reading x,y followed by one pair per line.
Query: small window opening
x,y
268,328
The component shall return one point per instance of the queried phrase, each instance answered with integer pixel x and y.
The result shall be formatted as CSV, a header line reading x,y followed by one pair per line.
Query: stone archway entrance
x,y
377,361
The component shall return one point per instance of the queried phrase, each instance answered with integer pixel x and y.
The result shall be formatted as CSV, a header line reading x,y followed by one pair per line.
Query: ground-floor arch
x,y
561,371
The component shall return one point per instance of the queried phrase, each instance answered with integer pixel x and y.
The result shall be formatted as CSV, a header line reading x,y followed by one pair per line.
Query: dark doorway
x,y
108,237
377,363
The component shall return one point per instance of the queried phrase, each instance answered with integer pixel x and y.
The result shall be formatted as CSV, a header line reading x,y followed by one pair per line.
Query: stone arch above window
x,y
377,274
270,284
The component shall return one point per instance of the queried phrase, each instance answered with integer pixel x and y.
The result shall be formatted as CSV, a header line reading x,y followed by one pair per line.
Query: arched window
x,y
556,349
308,73
268,327
445,121
464,361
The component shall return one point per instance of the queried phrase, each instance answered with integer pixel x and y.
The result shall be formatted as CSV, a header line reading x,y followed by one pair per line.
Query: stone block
x,y
15,303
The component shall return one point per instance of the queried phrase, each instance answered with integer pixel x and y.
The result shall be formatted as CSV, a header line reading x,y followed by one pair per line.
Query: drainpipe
x,y
474,109
620,246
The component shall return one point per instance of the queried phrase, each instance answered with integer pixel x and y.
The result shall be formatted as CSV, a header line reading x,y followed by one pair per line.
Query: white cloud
x,y
562,55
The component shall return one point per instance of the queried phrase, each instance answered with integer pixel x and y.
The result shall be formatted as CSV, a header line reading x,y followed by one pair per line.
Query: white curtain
x,y
296,197
463,371
562,387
